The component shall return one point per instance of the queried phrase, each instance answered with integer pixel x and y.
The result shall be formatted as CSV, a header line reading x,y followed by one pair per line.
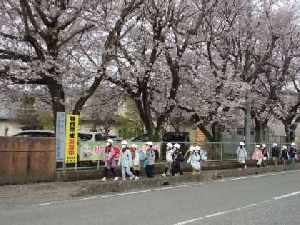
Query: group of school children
x,y
131,160
261,154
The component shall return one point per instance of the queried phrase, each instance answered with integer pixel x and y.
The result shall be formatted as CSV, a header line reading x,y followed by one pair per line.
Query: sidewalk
x,y
59,191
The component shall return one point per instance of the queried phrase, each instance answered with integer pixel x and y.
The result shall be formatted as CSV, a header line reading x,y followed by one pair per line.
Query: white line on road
x,y
288,195
168,188
189,221
215,214
161,189
237,209
88,198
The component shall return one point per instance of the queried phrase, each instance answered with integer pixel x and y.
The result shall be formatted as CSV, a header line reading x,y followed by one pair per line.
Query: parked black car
x,y
143,137
182,138
35,133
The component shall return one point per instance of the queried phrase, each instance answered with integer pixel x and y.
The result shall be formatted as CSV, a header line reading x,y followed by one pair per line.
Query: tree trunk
x,y
290,132
216,132
146,117
260,130
215,135
57,98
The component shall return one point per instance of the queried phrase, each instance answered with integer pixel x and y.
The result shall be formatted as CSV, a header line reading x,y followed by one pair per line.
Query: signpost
x,y
60,135
71,138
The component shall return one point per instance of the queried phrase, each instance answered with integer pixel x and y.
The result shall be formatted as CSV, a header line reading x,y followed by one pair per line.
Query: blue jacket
x,y
292,152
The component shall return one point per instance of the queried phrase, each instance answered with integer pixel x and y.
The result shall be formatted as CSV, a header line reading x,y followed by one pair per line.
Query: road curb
x,y
158,181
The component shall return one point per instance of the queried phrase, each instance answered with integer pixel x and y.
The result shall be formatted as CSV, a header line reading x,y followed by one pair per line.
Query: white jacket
x,y
125,158
241,155
136,160
169,156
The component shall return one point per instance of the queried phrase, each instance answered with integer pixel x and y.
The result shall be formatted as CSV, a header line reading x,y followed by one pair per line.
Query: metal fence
x,y
216,152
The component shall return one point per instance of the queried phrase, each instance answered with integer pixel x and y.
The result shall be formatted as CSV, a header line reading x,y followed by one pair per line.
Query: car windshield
x,y
34,134
175,137
99,137
85,137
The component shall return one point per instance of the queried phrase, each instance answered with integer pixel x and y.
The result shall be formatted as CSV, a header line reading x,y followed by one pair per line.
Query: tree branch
x,y
72,35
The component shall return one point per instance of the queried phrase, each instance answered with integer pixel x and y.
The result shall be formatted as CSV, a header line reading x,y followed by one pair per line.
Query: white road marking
x,y
181,186
238,178
172,187
47,203
287,195
237,209
161,189
128,193
88,198
215,214
189,221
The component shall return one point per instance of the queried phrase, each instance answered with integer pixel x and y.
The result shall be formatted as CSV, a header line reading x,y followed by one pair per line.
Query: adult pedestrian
x,y
242,155
292,154
150,159
257,155
284,155
136,161
275,153
168,163
125,161
110,160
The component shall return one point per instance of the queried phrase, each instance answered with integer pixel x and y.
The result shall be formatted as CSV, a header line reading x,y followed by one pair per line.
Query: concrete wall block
x,y
26,159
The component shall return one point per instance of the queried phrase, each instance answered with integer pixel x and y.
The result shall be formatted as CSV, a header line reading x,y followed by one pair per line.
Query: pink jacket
x,y
257,154
110,160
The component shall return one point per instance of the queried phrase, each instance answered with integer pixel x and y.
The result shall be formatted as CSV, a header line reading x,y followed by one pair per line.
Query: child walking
x,y
125,161
168,163
110,160
136,161
194,160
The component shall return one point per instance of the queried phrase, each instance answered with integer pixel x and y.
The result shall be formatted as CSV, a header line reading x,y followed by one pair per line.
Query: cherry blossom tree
x,y
45,43
150,62
102,107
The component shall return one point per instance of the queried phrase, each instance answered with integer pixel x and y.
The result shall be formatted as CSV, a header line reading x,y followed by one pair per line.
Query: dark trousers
x,y
175,168
135,172
111,169
149,170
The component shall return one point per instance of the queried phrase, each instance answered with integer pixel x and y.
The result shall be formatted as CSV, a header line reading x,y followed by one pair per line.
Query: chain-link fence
x,y
216,152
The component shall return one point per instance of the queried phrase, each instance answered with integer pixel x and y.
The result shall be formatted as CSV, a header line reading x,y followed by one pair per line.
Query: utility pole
x,y
248,120
248,90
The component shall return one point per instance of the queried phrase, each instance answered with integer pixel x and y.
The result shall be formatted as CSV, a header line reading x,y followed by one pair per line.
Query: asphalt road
x,y
263,199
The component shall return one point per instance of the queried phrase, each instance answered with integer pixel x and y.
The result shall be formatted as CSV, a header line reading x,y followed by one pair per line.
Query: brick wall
x,y
24,160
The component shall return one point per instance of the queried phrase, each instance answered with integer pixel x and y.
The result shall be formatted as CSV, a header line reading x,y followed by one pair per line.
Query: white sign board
x,y
60,136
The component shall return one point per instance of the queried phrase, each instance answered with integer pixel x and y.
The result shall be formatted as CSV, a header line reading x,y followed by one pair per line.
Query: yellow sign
x,y
71,138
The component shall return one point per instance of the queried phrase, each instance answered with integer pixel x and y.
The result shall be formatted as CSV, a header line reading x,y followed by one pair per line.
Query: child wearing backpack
x,y
136,161
177,157
125,161
150,160
168,162
284,155
194,160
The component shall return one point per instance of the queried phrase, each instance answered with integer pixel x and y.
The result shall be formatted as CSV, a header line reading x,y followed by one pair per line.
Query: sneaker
x,y
176,174
131,178
136,178
103,179
163,175
116,178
